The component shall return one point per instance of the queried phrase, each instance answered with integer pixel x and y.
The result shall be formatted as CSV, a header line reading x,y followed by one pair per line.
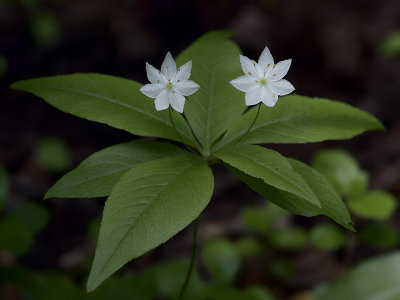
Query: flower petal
x,y
161,101
186,88
249,66
152,90
279,70
253,95
154,75
168,67
183,72
268,97
281,87
243,83
266,60
177,101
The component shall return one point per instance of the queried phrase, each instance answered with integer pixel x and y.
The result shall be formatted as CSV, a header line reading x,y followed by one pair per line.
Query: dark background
x,y
336,51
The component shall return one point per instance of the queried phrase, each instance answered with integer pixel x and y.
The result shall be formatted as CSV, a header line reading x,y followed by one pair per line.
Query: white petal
x,y
186,88
168,67
249,66
268,97
279,70
177,101
243,83
154,75
152,90
281,87
183,72
161,101
253,95
266,59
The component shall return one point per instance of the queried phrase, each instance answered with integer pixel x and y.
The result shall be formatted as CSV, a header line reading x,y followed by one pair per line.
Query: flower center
x,y
169,87
264,81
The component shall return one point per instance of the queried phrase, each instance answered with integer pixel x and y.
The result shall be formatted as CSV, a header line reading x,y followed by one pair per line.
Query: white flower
x,y
169,86
263,80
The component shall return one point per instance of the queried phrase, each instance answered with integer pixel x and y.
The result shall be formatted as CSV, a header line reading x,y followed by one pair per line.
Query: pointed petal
x,y
177,102
183,72
253,95
279,70
268,97
281,87
161,101
154,75
243,83
168,67
249,66
186,88
152,90
266,59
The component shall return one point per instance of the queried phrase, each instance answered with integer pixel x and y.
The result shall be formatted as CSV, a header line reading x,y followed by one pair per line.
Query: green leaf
x,y
290,238
377,278
258,293
331,203
379,235
97,174
300,119
216,105
379,205
107,99
390,45
327,237
268,165
15,237
53,154
150,204
4,186
31,215
342,171
221,259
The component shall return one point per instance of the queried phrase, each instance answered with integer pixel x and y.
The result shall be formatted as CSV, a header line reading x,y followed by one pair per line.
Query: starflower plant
x,y
156,189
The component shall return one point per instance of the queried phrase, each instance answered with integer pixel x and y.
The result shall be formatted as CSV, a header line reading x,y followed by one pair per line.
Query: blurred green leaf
x,y
289,238
379,235
97,174
218,292
258,293
300,119
282,268
259,219
45,28
248,247
53,154
31,215
390,45
94,228
375,279
15,237
342,171
327,237
221,259
50,287
4,186
169,278
379,205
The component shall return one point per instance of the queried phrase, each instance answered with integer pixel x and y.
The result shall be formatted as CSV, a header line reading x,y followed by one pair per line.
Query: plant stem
x,y
252,124
180,137
192,260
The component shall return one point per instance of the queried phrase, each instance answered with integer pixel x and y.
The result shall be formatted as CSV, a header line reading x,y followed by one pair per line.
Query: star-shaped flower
x,y
169,86
263,80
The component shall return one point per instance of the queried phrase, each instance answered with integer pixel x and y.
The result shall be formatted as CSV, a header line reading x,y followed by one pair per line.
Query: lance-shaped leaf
x,y
213,108
300,119
151,203
107,99
331,203
269,166
97,174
